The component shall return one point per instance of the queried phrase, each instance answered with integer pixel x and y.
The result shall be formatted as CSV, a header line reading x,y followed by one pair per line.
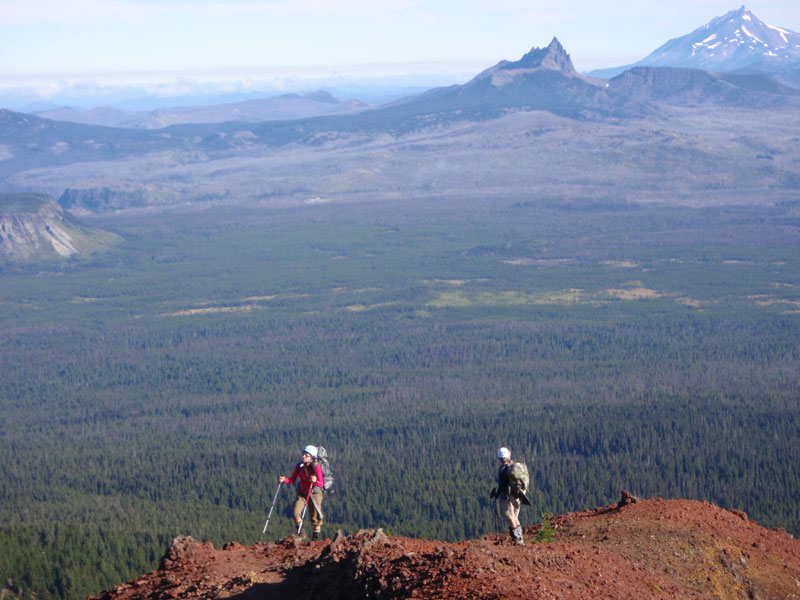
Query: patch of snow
x,y
781,31
703,45
746,17
59,147
709,38
770,53
750,34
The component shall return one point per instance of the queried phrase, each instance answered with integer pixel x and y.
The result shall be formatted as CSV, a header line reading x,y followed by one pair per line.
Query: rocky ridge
x,y
551,58
633,549
34,231
34,227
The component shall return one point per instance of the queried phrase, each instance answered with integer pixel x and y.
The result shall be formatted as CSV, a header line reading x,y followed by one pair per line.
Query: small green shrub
x,y
546,532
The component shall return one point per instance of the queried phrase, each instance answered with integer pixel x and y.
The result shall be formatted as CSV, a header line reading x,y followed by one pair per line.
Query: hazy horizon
x,y
98,52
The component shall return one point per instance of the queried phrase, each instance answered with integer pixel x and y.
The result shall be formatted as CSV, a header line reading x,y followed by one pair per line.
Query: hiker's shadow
x,y
297,583
315,581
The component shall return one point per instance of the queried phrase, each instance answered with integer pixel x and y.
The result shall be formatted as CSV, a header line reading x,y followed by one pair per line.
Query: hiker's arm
x,y
292,477
318,480
502,482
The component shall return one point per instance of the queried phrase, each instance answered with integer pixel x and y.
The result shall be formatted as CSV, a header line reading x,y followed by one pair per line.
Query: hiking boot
x,y
316,535
301,535
517,535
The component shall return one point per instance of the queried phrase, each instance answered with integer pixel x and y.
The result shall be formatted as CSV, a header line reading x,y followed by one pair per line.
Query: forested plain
x,y
160,388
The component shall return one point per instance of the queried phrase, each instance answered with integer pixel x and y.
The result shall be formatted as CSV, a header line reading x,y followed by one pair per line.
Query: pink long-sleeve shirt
x,y
305,478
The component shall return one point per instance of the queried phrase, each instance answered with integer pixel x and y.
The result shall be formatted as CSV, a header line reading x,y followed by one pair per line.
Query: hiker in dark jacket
x,y
508,501
309,488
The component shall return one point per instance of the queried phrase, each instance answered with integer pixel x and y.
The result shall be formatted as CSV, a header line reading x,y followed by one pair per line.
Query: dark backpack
x,y
327,472
518,479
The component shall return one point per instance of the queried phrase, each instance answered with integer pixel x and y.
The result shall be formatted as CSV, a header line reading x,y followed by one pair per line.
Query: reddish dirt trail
x,y
659,549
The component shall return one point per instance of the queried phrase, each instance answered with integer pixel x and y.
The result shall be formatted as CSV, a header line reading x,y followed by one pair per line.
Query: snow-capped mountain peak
x,y
728,43
735,41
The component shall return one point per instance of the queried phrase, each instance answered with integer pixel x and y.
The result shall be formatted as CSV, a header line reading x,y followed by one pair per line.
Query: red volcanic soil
x,y
634,550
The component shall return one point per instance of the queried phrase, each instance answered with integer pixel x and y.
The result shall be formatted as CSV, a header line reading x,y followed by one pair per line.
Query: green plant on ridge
x,y
546,532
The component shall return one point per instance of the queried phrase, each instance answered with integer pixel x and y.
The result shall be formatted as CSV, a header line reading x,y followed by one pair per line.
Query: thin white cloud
x,y
550,12
59,12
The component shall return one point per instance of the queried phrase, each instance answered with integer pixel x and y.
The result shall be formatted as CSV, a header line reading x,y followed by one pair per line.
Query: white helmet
x,y
503,453
312,450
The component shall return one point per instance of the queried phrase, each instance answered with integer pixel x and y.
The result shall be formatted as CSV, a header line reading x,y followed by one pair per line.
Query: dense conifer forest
x,y
162,387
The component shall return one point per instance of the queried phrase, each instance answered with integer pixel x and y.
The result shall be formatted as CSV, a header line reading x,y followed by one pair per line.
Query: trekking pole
x,y
305,508
270,511
316,506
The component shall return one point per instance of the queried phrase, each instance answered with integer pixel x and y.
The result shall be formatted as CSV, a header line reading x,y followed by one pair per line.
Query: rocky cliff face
x,y
34,230
553,58
650,549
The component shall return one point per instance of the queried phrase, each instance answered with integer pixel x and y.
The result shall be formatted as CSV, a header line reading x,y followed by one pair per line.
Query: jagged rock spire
x,y
553,57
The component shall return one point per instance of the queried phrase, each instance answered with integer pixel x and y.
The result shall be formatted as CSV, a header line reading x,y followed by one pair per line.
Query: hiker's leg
x,y
513,519
509,507
507,510
297,512
514,512
316,517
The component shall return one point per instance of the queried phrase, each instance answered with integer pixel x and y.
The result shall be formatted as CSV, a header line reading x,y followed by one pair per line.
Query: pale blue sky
x,y
46,41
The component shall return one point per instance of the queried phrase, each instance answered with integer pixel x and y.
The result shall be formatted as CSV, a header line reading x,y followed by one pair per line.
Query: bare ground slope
x,y
647,549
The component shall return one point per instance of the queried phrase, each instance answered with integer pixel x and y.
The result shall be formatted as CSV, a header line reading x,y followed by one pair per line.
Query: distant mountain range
x,y
544,79
94,168
738,41
286,106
